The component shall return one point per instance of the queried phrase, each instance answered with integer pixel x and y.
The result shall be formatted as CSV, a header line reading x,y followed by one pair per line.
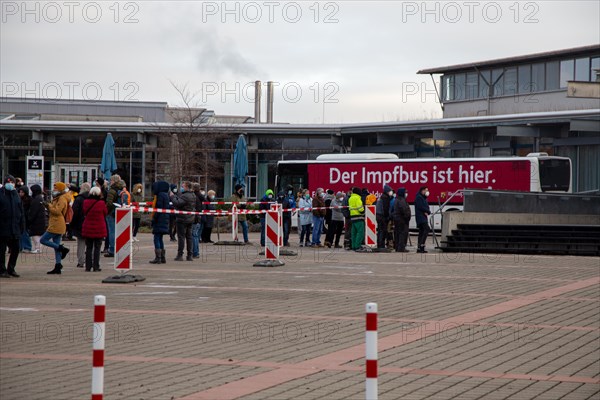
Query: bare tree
x,y
195,140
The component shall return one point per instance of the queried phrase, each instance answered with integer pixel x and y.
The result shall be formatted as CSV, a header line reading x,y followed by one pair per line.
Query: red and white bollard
x,y
98,346
371,352
370,227
234,223
273,239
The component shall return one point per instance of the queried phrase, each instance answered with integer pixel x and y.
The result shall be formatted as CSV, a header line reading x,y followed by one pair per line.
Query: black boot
x,y
156,257
189,258
178,258
11,272
56,270
163,259
63,251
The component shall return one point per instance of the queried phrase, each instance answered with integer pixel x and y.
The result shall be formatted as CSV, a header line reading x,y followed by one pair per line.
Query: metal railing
x,y
439,211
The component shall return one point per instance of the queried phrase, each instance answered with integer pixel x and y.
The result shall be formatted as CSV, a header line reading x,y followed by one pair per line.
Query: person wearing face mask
x,y
57,226
401,215
136,197
197,225
334,233
422,211
347,221
208,221
12,226
318,217
305,217
267,198
382,214
184,201
238,196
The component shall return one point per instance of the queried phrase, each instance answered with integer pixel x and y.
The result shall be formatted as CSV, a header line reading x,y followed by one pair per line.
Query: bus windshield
x,y
555,174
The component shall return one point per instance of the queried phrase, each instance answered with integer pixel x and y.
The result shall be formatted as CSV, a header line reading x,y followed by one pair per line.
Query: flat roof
x,y
309,129
574,51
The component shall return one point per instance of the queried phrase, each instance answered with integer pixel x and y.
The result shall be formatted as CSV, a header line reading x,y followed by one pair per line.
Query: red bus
x,y
537,172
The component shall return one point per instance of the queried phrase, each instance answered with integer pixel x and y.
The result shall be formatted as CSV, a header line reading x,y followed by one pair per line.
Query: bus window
x,y
555,175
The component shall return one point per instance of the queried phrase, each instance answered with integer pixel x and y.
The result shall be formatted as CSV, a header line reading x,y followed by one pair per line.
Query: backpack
x,y
69,214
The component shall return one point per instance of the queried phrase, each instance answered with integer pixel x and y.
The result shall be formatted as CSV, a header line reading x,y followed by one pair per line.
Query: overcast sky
x,y
341,61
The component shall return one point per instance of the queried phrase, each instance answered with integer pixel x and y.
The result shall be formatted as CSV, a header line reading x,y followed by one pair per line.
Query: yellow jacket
x,y
58,210
356,205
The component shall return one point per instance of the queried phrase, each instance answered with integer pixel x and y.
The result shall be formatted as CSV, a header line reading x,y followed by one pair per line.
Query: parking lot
x,y
464,326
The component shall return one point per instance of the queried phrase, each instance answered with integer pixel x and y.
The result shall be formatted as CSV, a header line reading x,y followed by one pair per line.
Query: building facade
x,y
545,102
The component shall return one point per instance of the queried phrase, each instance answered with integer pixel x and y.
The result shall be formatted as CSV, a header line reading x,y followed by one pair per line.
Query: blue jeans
x,y
244,225
196,231
25,242
262,231
159,244
110,222
317,229
52,240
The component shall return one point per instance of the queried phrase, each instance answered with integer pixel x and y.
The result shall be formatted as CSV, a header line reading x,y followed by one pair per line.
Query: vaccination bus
x,y
445,177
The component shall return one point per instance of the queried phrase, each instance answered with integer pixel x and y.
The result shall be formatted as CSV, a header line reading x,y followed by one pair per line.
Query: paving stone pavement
x,y
451,326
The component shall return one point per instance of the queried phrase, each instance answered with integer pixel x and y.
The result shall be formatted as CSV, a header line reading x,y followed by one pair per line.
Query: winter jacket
x,y
305,216
58,210
160,221
37,219
137,198
285,205
421,209
382,208
357,210
78,215
264,206
94,213
112,197
401,212
235,198
318,202
208,221
336,213
12,215
185,201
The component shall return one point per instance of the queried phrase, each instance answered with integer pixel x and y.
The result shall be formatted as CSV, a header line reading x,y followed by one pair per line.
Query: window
x,y
595,70
510,81
538,77
498,82
484,81
552,75
524,73
459,87
448,87
566,72
582,69
471,92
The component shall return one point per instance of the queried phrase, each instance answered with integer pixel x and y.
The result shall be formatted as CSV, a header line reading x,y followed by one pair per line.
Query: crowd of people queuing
x,y
31,219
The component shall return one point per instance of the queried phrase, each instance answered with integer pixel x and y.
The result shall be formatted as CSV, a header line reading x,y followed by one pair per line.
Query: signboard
x,y
443,178
35,171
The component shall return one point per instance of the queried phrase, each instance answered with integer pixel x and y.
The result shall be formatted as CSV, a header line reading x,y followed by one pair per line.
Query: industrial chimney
x,y
269,102
257,98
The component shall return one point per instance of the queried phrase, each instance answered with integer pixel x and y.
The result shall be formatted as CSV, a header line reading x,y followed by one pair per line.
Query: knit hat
x,y
339,194
268,192
238,187
60,187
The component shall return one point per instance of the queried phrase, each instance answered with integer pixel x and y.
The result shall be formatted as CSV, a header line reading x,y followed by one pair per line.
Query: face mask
x,y
393,194
341,199
55,193
211,197
9,186
290,192
322,195
307,196
139,190
270,196
426,193
182,190
390,193
202,192
406,195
